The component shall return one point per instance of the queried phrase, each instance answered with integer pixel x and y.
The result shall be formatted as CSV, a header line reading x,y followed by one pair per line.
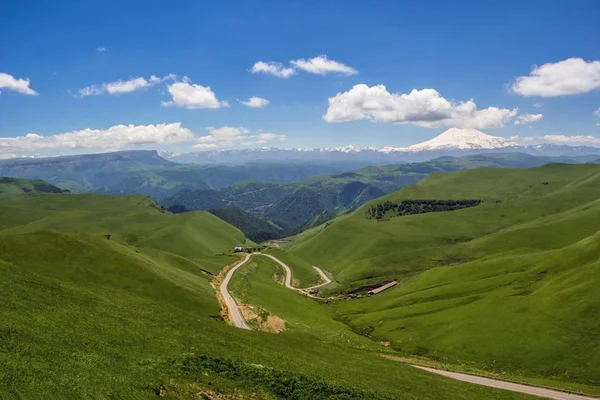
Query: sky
x,y
88,76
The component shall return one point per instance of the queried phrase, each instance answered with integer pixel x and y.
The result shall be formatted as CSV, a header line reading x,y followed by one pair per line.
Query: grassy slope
x,y
13,188
133,315
508,286
132,219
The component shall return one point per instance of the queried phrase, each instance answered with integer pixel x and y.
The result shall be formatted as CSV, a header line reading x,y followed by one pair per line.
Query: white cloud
x,y
528,118
571,76
272,68
267,137
229,135
101,49
321,65
17,85
426,108
121,87
597,114
112,138
538,105
255,102
517,138
580,139
191,96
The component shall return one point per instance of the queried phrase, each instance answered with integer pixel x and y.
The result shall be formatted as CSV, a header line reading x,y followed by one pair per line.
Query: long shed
x,y
382,288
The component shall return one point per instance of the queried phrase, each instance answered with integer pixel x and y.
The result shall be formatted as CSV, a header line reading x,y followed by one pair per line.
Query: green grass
x,y
89,317
505,287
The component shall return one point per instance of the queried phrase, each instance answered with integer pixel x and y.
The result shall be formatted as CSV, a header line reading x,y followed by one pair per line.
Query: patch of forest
x,y
388,208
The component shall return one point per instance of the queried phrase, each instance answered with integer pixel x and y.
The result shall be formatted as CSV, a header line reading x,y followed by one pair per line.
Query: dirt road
x,y
238,321
234,311
513,387
288,276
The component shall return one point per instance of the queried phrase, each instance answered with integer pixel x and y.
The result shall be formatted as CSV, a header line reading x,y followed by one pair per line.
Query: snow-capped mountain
x,y
453,142
462,139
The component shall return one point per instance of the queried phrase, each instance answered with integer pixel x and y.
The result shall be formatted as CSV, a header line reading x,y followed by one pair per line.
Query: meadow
x,y
133,315
505,287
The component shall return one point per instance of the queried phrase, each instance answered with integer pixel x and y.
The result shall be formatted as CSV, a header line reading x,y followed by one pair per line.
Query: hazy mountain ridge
x,y
452,142
145,172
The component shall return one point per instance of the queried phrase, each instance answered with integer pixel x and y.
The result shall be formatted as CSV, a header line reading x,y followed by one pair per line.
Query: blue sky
x,y
461,51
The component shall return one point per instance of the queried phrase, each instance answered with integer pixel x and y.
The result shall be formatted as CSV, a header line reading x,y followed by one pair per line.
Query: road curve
x,y
326,280
234,311
513,387
288,276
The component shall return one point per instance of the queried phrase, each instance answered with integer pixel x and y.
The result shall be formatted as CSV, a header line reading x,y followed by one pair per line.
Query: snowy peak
x,y
461,139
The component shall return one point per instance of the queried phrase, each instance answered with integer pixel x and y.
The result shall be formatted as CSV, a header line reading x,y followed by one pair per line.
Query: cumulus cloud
x,y
272,68
571,76
186,94
9,82
321,65
528,118
113,138
538,105
597,114
229,135
580,139
255,102
100,49
426,108
121,87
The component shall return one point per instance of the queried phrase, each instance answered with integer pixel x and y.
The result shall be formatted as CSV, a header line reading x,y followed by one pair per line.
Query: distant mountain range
x,y
145,172
453,142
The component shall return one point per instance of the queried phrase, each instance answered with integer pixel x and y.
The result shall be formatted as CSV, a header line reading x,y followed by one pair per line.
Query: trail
x,y
232,307
513,387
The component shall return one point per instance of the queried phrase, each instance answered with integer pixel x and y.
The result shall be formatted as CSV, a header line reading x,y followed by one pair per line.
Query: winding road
x,y
234,310
288,276
238,321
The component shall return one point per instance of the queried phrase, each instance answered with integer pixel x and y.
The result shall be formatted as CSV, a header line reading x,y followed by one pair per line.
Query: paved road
x,y
513,387
232,307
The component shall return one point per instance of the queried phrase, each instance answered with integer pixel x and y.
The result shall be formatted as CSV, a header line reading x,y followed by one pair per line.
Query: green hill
x,y
505,286
110,295
11,188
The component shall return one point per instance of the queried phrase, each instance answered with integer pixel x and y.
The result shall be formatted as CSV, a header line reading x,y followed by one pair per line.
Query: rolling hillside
x,y
505,286
299,205
13,188
86,315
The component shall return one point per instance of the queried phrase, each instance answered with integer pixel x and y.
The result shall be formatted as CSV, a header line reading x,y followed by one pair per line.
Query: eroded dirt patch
x,y
262,320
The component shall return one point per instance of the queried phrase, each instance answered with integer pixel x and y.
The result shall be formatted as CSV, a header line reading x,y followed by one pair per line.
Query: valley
x,y
496,269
